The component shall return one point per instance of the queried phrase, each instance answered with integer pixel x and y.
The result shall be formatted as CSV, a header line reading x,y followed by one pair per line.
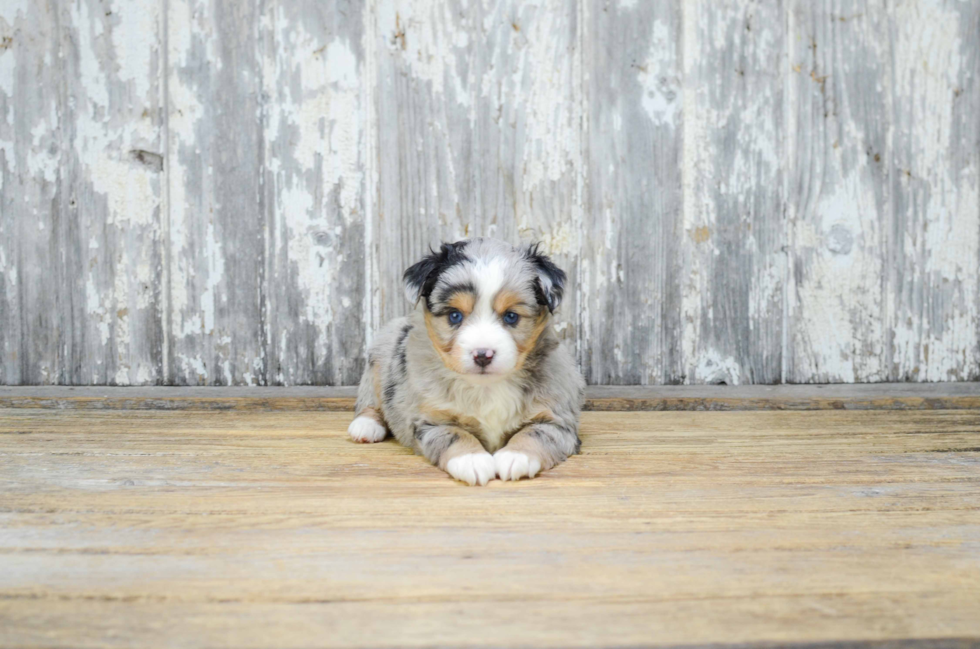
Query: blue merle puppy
x,y
475,378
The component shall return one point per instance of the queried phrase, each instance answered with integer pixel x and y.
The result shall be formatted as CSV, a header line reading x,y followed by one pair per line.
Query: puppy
x,y
477,368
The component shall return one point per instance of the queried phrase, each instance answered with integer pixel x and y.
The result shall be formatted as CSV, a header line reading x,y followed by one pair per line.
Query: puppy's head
x,y
486,303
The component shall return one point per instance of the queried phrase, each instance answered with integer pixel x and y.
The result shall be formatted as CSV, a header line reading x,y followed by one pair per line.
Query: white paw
x,y
472,468
366,430
514,465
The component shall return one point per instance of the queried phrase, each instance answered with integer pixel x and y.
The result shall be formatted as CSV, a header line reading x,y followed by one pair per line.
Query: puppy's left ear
x,y
550,283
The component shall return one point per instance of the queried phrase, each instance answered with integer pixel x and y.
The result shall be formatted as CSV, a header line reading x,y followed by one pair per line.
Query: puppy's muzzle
x,y
483,357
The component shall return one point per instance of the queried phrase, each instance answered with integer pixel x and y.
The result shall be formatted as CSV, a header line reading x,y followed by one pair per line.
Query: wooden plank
x,y
217,228
630,311
251,625
896,396
479,131
934,243
733,239
314,186
839,207
891,396
30,196
115,104
261,529
97,624
81,251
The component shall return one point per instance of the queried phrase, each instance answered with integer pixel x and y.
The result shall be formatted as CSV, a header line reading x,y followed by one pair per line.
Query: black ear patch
x,y
421,278
549,286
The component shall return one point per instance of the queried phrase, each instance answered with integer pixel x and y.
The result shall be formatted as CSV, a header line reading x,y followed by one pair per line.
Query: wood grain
x,y
272,529
839,207
314,186
733,237
631,312
875,208
31,322
82,194
934,328
216,224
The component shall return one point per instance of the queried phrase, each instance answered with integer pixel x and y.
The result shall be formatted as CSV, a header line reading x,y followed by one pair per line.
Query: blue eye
x,y
455,317
511,318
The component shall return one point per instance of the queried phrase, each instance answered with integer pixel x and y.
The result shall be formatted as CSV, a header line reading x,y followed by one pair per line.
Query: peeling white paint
x,y
194,366
185,112
90,34
658,78
87,139
133,21
8,66
320,182
11,10
942,242
215,275
714,367
190,20
558,241
40,161
11,273
696,212
425,36
145,375
96,309
371,300
843,335
496,141
551,138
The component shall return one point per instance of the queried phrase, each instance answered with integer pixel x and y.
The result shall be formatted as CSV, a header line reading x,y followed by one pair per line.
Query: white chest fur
x,y
498,407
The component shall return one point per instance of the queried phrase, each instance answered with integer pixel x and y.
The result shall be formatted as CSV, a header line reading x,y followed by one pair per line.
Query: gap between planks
x,y
879,396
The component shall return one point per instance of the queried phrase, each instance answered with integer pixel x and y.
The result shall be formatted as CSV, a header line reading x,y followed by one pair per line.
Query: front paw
x,y
514,465
366,430
472,468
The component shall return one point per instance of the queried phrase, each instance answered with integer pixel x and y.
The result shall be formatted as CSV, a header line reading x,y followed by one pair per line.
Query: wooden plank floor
x,y
270,529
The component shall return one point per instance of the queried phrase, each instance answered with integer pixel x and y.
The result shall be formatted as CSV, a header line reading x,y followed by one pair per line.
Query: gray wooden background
x,y
226,191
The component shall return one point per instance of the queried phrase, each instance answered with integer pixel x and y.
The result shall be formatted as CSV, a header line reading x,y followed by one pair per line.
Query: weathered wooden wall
x,y
226,192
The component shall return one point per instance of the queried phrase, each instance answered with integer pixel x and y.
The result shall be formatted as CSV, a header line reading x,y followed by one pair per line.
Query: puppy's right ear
x,y
421,278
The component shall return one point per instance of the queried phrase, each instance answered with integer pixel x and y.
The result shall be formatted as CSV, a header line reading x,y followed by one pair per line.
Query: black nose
x,y
483,357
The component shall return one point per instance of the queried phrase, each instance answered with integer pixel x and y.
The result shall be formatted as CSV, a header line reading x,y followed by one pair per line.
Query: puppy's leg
x,y
456,452
368,425
537,447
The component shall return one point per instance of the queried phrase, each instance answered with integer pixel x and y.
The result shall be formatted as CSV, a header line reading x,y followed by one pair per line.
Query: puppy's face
x,y
486,304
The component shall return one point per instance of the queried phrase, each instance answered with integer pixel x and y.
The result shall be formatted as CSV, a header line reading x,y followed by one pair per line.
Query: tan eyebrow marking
x,y
506,300
462,300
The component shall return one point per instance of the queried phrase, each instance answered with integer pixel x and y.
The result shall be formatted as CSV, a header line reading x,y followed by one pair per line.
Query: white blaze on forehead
x,y
489,276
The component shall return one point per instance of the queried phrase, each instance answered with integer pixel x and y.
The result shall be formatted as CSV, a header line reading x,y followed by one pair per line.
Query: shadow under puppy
x,y
476,368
